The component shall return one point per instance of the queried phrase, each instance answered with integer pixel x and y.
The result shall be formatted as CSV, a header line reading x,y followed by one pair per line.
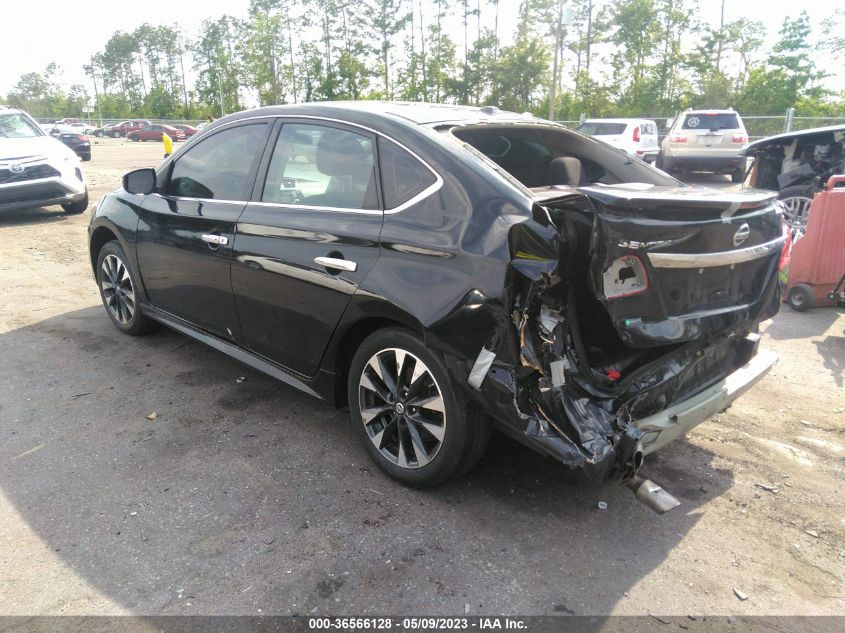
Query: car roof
x,y
418,113
711,111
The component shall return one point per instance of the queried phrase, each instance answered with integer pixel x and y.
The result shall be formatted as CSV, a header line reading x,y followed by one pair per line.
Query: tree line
x,y
560,59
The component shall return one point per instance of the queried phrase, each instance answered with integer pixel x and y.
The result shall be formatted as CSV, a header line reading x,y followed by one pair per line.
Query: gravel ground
x,y
251,498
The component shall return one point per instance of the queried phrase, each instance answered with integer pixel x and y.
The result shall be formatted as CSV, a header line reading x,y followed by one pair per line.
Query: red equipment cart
x,y
817,261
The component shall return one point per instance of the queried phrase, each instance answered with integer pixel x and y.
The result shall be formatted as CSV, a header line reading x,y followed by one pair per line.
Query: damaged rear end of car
x,y
629,315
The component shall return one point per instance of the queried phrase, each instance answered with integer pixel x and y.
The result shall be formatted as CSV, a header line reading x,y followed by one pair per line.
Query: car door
x,y
307,240
186,229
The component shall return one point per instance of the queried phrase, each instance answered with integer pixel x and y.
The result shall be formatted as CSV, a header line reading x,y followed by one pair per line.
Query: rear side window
x,y
601,129
218,167
714,122
402,175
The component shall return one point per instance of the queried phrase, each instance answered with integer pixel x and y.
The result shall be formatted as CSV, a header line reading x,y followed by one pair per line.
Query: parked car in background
x,y
189,130
35,169
154,132
438,268
84,128
125,127
103,131
797,165
72,137
705,140
638,137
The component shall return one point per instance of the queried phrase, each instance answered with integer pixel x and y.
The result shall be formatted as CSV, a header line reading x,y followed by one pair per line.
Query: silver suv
x,y
37,170
706,140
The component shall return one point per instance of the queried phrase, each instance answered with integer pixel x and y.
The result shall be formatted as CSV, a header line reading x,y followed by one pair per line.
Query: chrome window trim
x,y
725,258
206,200
431,189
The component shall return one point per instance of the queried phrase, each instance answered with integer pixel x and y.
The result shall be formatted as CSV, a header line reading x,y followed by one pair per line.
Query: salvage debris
x,y
768,488
812,533
740,594
241,379
152,416
602,505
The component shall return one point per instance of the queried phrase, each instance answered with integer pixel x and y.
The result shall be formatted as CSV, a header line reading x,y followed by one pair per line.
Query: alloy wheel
x,y
118,292
402,408
796,212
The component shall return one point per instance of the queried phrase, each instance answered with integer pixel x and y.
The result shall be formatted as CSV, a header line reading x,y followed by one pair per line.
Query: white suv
x,y
638,137
706,140
37,170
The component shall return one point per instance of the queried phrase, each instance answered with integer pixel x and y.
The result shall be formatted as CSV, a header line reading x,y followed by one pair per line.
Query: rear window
x,y
702,121
541,155
601,129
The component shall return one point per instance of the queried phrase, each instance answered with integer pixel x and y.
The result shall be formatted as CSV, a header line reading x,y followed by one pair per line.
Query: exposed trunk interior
x,y
656,282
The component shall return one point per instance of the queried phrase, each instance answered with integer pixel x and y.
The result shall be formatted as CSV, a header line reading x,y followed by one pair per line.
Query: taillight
x,y
81,137
626,276
739,138
637,134
678,138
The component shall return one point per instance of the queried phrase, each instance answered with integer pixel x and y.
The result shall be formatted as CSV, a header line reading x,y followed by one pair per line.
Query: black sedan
x,y
444,271
73,138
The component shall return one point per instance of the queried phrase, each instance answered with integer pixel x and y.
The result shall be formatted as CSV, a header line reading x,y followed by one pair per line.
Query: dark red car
x,y
189,130
154,132
125,128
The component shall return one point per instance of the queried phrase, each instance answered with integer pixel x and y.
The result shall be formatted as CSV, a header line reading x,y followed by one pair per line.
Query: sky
x,y
32,36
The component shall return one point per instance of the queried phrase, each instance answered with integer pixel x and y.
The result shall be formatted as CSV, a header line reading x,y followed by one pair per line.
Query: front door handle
x,y
337,264
210,238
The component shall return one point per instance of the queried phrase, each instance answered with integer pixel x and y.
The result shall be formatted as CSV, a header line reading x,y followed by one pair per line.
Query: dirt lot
x,y
248,497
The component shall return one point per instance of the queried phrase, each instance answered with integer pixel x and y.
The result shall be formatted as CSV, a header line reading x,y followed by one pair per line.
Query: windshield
x,y
16,125
600,129
714,122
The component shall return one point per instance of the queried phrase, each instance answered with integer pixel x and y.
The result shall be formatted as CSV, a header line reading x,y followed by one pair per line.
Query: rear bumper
x,y
661,428
710,163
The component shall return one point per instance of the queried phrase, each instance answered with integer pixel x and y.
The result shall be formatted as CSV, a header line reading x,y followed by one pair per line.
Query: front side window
x,y
218,167
321,166
402,175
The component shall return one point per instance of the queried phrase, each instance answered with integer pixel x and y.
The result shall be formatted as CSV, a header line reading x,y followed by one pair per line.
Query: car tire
x,y
801,297
98,134
86,157
80,206
661,163
119,291
419,429
116,134
738,175
134,138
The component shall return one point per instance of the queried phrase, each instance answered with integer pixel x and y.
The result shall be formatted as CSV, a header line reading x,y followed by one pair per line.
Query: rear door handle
x,y
337,264
210,238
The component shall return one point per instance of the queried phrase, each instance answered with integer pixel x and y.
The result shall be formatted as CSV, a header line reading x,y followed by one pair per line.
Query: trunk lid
x,y
674,264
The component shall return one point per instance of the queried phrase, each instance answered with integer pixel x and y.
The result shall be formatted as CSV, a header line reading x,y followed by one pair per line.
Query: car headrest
x,y
566,170
340,154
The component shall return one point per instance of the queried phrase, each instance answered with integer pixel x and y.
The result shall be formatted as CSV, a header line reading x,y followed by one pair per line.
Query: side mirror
x,y
140,181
